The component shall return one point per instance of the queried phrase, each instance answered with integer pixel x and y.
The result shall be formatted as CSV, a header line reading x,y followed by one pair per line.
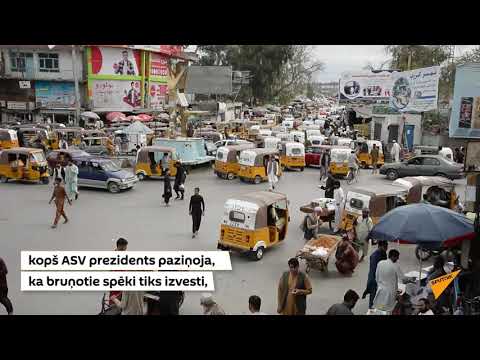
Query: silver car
x,y
423,165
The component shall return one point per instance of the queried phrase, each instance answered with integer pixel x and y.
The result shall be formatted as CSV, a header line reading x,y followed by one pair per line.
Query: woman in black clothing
x,y
167,188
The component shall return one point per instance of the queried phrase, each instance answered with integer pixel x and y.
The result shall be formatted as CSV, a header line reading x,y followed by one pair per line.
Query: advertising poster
x,y
158,65
365,85
415,90
158,93
116,95
115,61
52,94
465,114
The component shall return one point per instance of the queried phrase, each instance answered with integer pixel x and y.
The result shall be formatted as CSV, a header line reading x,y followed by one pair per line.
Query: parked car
x,y
104,174
423,165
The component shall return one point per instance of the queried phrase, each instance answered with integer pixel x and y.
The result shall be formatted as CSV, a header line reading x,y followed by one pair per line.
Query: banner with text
x,y
365,85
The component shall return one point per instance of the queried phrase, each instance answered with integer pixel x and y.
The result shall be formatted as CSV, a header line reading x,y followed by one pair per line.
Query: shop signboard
x,y
158,65
115,61
415,90
158,93
465,114
16,105
116,95
365,85
51,94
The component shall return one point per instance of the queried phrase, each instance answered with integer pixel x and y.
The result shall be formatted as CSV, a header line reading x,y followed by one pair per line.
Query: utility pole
x,y
75,80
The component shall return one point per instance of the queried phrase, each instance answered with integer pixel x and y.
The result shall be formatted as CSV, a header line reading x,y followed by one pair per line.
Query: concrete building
x,y
37,82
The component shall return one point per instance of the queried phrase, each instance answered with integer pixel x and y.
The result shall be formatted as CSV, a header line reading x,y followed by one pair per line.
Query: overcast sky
x,y
340,58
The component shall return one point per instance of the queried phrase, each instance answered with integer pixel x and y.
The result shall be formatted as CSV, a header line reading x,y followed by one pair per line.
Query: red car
x,y
63,156
313,155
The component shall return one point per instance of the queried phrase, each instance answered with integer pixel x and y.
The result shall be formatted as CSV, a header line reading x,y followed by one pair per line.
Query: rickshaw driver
x,y
278,221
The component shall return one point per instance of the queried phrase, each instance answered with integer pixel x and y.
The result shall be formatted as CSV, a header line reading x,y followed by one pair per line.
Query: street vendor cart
x,y
316,252
327,215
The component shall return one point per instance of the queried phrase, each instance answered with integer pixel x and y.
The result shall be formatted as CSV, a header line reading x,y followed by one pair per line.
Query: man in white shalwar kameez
x,y
339,198
71,180
272,171
387,276
395,151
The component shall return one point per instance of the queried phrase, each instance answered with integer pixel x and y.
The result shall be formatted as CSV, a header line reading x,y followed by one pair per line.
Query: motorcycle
x,y
424,253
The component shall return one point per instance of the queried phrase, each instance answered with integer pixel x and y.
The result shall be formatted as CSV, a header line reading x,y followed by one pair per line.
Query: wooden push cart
x,y
316,252
327,214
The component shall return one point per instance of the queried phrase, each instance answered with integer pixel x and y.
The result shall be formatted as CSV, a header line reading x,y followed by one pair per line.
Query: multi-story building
x,y
38,82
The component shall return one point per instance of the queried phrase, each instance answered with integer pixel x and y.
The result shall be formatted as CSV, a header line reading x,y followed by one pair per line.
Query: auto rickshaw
x,y
253,222
378,198
149,159
437,190
292,155
363,153
339,161
35,137
226,163
316,140
271,142
23,164
93,133
8,139
72,135
253,164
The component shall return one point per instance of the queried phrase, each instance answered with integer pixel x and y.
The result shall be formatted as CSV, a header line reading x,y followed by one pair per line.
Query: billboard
x,y
116,95
115,61
158,93
158,65
365,85
465,115
52,94
415,90
209,80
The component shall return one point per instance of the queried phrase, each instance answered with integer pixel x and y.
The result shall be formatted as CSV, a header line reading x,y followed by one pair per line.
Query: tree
x,y
410,57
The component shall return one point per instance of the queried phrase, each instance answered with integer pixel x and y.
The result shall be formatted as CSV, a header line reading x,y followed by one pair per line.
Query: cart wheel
x,y
230,176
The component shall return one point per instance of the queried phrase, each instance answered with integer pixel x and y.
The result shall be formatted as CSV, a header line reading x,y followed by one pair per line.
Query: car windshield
x,y
110,166
38,156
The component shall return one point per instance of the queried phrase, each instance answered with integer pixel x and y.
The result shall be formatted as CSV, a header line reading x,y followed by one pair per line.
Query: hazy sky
x,y
340,58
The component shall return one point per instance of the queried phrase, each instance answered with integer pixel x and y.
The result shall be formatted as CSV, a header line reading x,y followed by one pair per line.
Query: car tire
x,y
141,176
113,187
257,255
257,180
392,174
3,179
230,176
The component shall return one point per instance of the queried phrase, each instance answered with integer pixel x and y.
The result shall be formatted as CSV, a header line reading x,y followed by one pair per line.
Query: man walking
x,y
395,151
377,256
179,184
4,300
349,301
387,276
374,154
293,288
272,171
71,180
339,198
196,210
59,195
329,186
363,226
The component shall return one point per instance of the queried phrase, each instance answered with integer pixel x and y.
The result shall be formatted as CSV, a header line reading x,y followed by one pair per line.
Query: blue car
x,y
104,174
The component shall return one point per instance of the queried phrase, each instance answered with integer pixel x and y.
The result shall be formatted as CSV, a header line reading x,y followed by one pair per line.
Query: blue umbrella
x,y
424,224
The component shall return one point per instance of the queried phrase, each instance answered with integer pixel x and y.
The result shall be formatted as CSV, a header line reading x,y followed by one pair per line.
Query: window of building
x,y
18,60
48,62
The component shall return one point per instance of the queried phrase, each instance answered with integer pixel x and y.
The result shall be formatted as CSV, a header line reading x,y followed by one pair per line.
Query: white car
x,y
227,142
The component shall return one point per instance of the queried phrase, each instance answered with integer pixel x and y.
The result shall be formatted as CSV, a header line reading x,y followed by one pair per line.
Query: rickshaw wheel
x,y
3,179
141,176
257,180
230,176
302,168
258,254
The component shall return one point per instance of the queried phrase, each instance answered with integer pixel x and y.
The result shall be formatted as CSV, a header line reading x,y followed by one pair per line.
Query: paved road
x,y
98,218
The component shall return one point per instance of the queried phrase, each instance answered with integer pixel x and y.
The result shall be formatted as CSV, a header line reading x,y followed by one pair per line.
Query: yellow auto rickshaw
x,y
23,164
72,135
435,190
253,222
292,155
379,199
363,153
8,139
35,137
226,161
339,161
149,161
253,164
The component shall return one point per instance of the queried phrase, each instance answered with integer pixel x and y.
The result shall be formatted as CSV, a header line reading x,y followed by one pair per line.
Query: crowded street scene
x,y
335,190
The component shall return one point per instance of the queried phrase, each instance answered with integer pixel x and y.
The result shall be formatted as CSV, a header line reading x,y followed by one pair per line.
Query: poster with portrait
x,y
116,95
415,90
115,61
365,85
158,94
465,116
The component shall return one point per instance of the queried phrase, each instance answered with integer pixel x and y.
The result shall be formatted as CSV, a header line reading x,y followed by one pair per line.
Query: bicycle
x,y
352,176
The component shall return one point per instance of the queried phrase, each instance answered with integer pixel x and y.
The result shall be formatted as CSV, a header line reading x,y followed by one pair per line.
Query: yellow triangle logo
x,y
440,284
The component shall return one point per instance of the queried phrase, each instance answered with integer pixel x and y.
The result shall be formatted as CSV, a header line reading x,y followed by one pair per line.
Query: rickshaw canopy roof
x,y
409,182
379,190
21,150
262,198
157,149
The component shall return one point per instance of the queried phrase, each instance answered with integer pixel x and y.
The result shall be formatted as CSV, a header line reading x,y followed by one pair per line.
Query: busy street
x,y
351,197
